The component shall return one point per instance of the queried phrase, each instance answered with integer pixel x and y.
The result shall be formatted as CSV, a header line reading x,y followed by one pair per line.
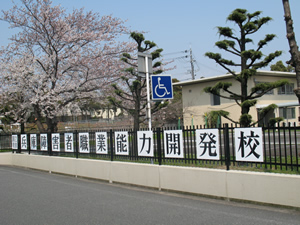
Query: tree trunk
x,y
40,125
136,116
52,125
38,119
136,121
295,54
22,128
244,122
138,99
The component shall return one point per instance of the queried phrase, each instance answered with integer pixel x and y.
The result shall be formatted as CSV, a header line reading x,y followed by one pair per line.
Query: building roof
x,y
284,104
225,76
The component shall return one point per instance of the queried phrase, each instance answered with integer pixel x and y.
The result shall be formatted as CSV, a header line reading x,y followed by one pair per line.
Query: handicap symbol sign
x,y
161,87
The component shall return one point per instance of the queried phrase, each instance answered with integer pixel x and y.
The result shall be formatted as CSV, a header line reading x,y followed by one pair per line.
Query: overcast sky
x,y
178,25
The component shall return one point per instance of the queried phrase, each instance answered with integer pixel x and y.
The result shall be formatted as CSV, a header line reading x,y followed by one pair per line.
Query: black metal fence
x,y
280,148
5,142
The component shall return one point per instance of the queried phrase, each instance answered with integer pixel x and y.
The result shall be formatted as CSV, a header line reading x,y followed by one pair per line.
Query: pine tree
x,y
250,61
130,94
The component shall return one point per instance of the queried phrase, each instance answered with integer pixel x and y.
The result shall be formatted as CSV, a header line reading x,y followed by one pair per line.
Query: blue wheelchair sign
x,y
161,87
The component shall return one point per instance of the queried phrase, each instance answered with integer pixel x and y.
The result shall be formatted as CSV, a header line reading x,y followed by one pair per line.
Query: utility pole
x,y
192,64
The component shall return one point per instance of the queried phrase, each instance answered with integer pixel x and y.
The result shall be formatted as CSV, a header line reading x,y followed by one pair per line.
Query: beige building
x,y
196,102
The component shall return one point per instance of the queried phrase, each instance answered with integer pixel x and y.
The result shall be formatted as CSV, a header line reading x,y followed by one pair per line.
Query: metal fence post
x,y
226,145
19,144
28,143
49,144
76,144
159,152
111,145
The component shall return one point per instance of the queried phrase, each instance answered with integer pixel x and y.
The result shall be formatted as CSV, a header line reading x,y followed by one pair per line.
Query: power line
x,y
211,68
189,56
189,60
180,57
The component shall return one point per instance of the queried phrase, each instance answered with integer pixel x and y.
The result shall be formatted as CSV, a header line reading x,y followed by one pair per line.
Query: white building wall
x,y
196,102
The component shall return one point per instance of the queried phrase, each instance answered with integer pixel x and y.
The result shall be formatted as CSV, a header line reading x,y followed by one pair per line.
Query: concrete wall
x,y
5,158
278,189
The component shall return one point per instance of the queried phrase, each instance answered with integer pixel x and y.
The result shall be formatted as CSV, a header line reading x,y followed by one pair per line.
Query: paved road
x,y
34,197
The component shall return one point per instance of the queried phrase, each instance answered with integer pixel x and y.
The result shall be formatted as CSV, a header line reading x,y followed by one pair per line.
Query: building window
x,y
287,89
271,92
215,99
287,113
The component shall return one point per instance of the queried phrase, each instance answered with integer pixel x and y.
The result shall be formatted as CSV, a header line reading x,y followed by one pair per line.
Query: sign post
x,y
145,66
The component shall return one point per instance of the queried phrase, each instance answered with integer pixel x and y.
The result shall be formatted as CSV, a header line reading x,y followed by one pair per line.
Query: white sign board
x,y
249,144
24,141
173,144
33,142
69,142
121,143
101,143
84,143
14,140
44,142
207,144
145,143
55,140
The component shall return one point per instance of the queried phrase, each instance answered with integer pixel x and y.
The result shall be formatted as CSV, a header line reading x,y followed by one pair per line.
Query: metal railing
x,y
280,148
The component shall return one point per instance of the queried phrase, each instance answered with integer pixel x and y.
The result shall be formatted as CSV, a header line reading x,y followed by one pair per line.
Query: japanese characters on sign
x,y
101,143
55,140
249,144
208,144
84,143
14,141
33,142
24,141
145,143
69,144
173,143
44,142
121,143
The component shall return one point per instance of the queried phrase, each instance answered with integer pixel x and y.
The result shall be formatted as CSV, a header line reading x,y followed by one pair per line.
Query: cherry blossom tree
x,y
57,59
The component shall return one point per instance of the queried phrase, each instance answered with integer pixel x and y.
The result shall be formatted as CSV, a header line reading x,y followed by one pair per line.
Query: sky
x,y
180,25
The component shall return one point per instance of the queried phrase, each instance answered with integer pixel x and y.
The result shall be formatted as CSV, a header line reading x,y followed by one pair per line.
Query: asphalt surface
x,y
35,197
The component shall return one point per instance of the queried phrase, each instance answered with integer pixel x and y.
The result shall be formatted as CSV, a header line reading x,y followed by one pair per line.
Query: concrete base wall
x,y
5,158
278,189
